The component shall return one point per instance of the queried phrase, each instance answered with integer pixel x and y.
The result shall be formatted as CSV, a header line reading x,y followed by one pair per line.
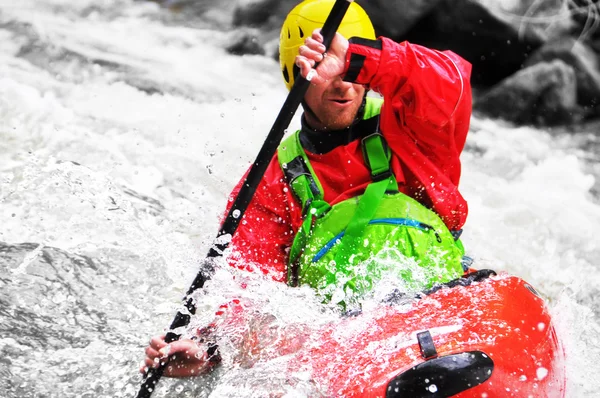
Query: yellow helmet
x,y
310,15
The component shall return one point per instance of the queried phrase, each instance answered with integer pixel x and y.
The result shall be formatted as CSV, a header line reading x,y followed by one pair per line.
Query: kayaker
x,y
363,175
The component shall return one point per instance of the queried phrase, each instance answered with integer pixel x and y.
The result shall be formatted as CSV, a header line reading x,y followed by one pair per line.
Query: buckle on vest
x,y
316,207
306,207
381,176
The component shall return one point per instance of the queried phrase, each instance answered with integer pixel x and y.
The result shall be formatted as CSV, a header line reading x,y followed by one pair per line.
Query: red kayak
x,y
480,336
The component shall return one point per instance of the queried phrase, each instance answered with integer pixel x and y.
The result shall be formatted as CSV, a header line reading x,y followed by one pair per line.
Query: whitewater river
x,y
122,132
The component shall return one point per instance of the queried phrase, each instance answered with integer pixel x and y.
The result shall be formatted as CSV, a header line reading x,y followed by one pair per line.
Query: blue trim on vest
x,y
389,221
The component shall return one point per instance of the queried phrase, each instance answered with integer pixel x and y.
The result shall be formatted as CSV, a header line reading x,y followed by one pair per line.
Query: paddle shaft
x,y
244,196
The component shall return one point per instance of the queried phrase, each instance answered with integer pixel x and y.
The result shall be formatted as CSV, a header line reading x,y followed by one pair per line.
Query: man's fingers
x,y
307,71
316,35
311,54
149,362
151,352
158,342
188,347
303,64
153,362
315,45
185,357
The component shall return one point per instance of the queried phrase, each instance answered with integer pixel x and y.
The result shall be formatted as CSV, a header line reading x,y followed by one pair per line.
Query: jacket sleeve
x,y
421,84
265,234
425,116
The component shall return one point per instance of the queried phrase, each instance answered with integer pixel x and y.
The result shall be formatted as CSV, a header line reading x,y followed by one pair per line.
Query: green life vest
x,y
341,250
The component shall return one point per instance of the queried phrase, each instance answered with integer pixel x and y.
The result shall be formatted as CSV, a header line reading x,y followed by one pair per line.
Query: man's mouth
x,y
341,101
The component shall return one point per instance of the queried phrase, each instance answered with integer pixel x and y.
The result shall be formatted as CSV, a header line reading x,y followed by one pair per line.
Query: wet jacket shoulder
x,y
425,116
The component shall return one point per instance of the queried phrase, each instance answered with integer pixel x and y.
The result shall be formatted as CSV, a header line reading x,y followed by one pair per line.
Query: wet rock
x,y
394,18
547,19
262,13
583,61
584,15
193,7
493,46
40,305
543,94
245,43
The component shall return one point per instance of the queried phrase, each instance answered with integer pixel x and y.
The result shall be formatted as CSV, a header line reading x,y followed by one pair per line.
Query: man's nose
x,y
340,84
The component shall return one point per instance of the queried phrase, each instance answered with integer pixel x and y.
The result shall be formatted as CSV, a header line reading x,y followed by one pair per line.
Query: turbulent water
x,y
122,130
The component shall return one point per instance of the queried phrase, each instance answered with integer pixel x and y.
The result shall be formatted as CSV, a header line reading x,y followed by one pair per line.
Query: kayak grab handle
x,y
442,376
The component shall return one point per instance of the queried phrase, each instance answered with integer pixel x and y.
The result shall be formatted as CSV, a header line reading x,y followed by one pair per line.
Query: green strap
x,y
301,186
377,156
316,209
372,107
306,186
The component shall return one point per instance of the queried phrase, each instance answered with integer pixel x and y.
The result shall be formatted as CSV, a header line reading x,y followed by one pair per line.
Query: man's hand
x,y
185,357
331,64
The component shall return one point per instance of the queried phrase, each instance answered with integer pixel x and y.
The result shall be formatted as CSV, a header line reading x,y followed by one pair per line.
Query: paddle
x,y
240,204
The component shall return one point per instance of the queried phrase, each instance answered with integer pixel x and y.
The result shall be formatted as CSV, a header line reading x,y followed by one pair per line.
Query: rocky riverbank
x,y
534,63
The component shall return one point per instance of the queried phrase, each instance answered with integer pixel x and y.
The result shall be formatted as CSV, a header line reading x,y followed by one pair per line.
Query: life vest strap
x,y
315,209
377,156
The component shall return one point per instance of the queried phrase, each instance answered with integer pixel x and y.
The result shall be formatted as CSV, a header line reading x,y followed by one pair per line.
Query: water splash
x,y
120,141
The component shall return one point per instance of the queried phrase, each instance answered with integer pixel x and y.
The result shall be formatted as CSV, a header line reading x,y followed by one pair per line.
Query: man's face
x,y
334,103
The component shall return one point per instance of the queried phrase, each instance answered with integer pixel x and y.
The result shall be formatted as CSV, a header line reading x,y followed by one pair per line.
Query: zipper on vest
x,y
406,222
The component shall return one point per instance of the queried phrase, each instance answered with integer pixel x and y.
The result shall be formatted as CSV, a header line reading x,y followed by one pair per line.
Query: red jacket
x,y
424,119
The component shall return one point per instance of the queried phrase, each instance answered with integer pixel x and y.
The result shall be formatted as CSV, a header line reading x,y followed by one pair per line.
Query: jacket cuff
x,y
362,60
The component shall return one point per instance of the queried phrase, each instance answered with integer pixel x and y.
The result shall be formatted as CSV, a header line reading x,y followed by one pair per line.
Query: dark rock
x,y
582,59
245,43
585,14
543,94
262,13
494,47
394,18
193,7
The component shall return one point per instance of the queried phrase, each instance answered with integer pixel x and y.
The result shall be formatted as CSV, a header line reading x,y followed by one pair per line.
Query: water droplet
x,y
432,388
541,373
541,326
236,213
